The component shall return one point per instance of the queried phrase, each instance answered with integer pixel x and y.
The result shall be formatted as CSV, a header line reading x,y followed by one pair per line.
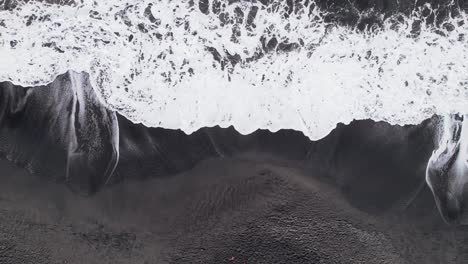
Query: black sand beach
x,y
85,185
226,210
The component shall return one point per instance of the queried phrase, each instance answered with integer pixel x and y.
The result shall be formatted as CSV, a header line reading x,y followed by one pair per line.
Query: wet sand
x,y
225,210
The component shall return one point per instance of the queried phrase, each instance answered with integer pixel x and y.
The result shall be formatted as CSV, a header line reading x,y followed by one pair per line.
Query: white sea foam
x,y
156,67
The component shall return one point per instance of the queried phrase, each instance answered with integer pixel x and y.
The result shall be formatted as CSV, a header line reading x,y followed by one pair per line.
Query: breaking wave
x,y
250,64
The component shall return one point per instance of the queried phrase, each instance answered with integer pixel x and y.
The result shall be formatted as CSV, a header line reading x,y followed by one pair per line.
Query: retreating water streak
x,y
447,170
189,64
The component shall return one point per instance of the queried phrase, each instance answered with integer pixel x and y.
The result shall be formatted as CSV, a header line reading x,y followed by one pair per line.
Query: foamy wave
x,y
184,64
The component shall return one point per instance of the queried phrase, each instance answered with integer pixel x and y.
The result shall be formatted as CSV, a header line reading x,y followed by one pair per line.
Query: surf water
x,y
190,64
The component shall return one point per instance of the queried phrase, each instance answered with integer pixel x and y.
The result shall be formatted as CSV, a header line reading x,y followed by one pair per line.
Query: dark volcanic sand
x,y
222,211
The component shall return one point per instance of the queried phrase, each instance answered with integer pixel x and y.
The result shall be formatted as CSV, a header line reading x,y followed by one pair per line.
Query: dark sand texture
x,y
225,210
